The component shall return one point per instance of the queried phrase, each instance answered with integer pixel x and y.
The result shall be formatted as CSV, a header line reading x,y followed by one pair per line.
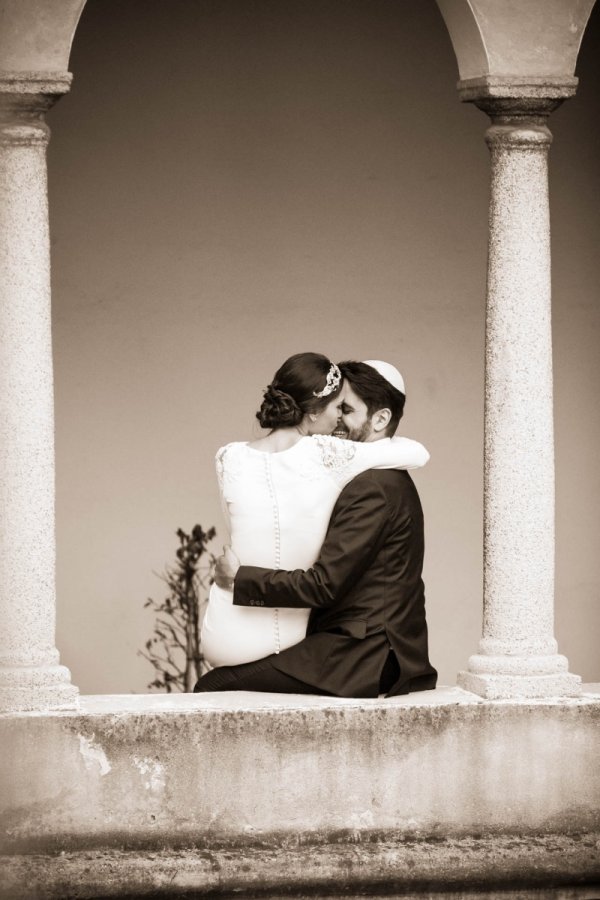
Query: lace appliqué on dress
x,y
336,455
220,466
229,465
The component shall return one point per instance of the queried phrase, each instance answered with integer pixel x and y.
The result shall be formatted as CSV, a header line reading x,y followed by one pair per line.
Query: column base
x,y
28,689
506,687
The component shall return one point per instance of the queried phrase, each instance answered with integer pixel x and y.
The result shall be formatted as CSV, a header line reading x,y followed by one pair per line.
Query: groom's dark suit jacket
x,y
365,591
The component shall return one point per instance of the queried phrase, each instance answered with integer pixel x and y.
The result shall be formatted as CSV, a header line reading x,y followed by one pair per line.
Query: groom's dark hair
x,y
375,391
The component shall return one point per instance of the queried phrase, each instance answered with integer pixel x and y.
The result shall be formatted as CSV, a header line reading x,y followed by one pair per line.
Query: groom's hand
x,y
225,568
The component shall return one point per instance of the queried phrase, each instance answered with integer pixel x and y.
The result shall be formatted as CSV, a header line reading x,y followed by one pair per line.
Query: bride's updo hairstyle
x,y
292,393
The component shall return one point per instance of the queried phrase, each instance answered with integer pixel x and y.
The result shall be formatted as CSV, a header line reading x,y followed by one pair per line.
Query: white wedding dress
x,y
277,507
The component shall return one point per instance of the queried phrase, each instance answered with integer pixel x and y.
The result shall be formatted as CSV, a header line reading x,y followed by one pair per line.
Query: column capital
x,y
29,95
508,98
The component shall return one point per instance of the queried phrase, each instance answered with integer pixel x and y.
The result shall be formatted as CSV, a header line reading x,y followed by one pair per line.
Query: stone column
x,y
518,653
30,675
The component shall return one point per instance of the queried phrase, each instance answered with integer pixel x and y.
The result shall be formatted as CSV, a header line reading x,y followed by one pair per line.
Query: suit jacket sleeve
x,y
358,526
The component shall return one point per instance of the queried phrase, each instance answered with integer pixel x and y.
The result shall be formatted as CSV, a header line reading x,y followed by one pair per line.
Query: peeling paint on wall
x,y
155,772
93,754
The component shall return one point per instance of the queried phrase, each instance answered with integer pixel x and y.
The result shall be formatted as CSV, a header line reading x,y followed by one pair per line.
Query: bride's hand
x,y
225,568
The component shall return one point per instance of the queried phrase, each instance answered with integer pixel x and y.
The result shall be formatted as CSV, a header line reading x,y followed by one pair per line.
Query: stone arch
x,y
36,36
540,39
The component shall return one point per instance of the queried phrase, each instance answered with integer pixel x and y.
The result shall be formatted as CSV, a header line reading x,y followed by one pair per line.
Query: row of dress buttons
x,y
267,458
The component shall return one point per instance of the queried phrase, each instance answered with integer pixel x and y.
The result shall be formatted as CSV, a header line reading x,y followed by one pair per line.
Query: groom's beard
x,y
359,434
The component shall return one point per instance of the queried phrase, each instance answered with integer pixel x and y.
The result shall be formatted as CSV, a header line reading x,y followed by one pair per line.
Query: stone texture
x,y
519,444
540,38
233,792
30,676
36,35
518,653
517,63
517,89
376,866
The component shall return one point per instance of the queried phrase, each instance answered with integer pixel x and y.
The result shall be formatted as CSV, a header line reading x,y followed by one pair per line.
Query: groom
x,y
367,632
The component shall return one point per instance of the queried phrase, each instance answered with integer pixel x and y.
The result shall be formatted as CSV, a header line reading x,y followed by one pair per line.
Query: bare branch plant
x,y
174,648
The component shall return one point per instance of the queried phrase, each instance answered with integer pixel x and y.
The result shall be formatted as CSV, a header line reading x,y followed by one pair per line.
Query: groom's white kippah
x,y
387,371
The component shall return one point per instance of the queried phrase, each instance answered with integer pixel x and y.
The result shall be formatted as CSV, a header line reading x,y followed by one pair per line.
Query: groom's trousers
x,y
254,676
263,676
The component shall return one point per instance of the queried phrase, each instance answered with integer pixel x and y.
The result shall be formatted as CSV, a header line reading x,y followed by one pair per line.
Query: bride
x,y
278,493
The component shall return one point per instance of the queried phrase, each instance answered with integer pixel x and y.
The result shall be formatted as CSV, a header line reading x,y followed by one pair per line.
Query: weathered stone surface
x,y
540,38
223,792
518,653
278,868
30,674
35,42
36,35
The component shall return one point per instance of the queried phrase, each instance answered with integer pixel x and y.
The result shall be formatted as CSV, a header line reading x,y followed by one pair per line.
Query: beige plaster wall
x,y
232,182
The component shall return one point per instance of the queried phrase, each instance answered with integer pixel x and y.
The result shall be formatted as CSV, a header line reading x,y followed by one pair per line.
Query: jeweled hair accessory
x,y
334,376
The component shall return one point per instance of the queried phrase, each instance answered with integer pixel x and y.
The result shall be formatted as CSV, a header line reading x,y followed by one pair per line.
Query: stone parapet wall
x,y
233,789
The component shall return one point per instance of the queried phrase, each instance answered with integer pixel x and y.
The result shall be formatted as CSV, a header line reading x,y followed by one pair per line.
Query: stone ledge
x,y
248,701
239,701
239,787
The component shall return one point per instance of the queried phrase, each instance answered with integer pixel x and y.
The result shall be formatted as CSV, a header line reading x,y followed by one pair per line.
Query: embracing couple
x,y
321,590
